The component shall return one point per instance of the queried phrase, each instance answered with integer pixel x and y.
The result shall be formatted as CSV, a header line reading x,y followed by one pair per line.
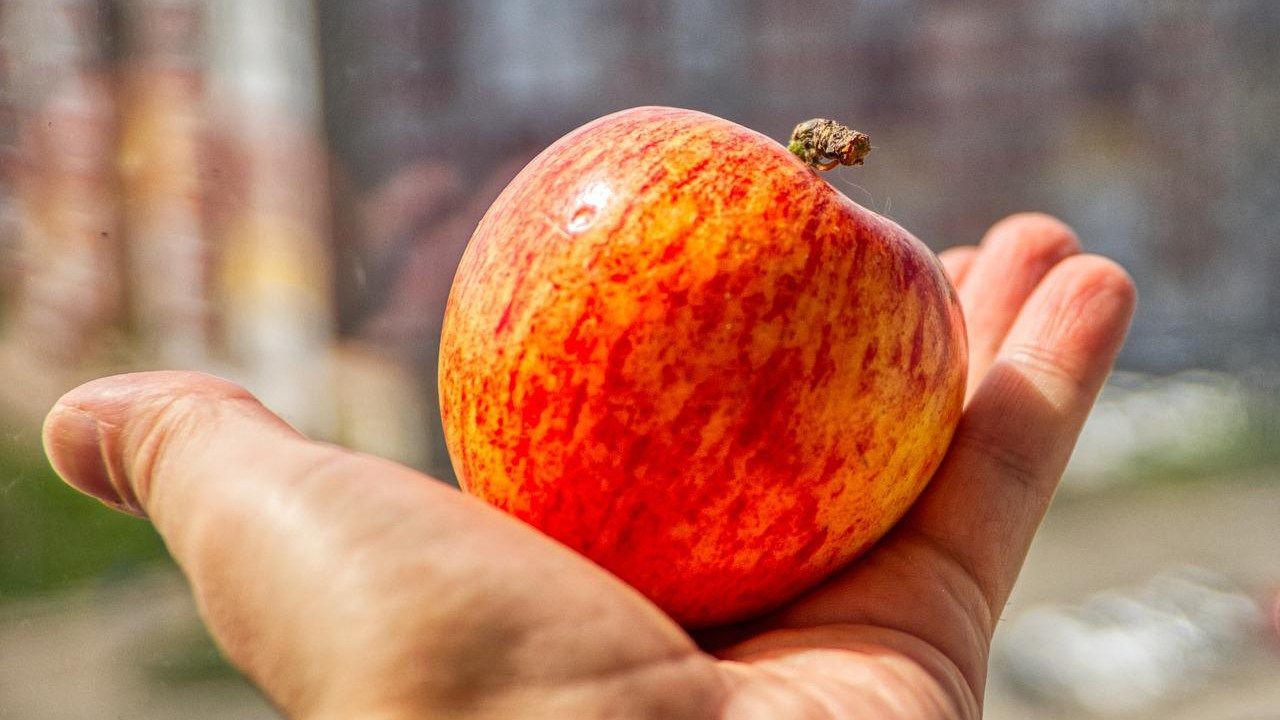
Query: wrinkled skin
x,y
346,586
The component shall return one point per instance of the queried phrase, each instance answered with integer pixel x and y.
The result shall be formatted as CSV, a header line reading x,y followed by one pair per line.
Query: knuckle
x,y
160,433
966,578
169,431
1010,462
1044,362
1009,432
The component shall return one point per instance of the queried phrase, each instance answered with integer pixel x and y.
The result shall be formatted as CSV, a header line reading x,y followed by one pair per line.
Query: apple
x,y
674,347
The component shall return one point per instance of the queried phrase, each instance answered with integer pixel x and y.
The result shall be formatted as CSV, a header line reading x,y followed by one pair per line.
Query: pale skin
x,y
346,586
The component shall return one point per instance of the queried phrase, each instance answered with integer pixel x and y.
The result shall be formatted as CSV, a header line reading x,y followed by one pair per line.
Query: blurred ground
x,y
133,648
1120,539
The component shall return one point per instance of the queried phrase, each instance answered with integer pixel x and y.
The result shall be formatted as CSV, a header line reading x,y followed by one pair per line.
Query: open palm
x,y
349,587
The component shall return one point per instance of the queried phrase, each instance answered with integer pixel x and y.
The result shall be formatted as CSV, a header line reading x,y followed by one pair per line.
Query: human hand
x,y
349,587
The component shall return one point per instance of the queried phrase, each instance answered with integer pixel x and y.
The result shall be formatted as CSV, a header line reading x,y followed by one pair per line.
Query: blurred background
x,y
277,191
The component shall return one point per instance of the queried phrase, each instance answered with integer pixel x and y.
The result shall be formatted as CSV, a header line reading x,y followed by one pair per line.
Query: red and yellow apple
x,y
672,346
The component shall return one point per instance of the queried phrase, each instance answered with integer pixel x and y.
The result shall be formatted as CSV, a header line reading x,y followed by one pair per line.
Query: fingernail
x,y
73,442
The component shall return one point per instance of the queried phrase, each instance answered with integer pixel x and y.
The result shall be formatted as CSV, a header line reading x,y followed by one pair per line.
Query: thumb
x,y
260,519
109,438
219,476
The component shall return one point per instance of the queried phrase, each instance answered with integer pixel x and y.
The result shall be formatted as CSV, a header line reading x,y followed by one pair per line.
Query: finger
x,y
957,261
303,556
104,438
1014,256
218,475
111,438
1015,438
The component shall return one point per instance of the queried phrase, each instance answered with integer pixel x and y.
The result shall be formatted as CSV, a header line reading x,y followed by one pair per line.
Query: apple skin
x,y
675,348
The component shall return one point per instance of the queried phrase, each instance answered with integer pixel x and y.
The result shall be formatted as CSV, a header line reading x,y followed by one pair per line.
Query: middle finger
x,y
1014,256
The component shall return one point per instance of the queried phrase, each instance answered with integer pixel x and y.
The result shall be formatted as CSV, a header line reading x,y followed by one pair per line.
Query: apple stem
x,y
824,144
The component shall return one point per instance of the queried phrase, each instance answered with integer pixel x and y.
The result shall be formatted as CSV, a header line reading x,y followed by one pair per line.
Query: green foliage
x,y
52,537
